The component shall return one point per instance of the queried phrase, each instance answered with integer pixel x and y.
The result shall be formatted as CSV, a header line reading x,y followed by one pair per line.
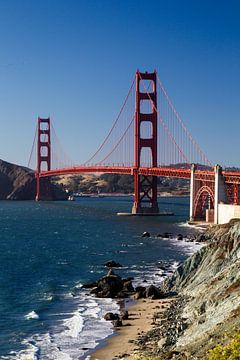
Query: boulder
x,y
89,285
140,292
111,316
117,323
166,235
127,286
154,292
146,234
124,315
180,237
112,263
109,286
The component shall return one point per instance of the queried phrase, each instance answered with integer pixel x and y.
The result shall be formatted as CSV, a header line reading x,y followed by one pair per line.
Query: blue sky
x,y
74,60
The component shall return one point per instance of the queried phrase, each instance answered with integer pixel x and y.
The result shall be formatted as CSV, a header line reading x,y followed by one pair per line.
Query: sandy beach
x,y
141,319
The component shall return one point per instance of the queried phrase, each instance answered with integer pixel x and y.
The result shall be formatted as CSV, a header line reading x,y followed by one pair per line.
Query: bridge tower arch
x,y
43,158
145,187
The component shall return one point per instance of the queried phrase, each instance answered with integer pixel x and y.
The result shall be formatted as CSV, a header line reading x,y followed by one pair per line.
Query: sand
x,y
141,320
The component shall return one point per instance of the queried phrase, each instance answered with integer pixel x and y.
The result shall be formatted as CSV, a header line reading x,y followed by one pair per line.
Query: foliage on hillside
x,y
230,351
116,183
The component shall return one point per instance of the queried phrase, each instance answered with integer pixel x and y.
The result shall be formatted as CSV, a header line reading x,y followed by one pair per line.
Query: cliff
x,y
207,309
19,183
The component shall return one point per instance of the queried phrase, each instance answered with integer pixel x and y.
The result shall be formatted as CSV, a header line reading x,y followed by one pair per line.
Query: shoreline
x,y
144,314
142,318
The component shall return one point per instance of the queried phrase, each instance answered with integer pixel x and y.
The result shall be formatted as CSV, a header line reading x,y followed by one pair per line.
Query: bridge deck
x,y
180,173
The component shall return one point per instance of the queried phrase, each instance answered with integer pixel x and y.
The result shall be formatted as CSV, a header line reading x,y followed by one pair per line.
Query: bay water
x,y
49,249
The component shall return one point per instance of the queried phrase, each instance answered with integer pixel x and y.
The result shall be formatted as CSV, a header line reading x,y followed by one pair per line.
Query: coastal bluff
x,y
19,183
206,311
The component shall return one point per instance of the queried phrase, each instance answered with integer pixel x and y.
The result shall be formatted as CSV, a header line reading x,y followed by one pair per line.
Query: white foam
x,y
30,353
74,325
31,315
70,339
189,247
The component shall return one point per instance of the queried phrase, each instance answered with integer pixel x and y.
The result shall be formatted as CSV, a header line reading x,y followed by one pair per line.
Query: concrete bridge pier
x,y
220,194
192,192
205,195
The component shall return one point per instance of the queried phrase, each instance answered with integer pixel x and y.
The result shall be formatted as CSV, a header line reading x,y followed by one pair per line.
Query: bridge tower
x,y
43,157
145,187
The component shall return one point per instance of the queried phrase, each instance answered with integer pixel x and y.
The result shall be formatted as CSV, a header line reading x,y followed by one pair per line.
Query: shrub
x,y
230,351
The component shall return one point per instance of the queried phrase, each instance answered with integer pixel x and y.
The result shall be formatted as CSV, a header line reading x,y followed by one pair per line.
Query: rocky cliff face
x,y
208,306
19,183
211,282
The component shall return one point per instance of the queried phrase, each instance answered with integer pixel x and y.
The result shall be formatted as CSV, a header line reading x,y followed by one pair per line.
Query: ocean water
x,y
48,250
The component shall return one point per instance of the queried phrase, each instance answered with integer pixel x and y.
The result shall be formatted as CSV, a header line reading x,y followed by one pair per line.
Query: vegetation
x,y
143,357
230,351
116,183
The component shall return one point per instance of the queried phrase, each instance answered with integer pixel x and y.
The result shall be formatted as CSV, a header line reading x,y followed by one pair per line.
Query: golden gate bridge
x,y
148,139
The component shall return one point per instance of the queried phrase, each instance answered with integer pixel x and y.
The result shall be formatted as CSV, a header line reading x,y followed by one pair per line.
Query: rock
x,y
180,237
110,272
111,316
128,287
109,286
161,343
166,235
146,234
112,286
89,285
160,235
117,323
153,292
122,295
140,292
124,315
112,263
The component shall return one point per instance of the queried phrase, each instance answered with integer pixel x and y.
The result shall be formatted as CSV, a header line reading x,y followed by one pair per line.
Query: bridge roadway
x,y
180,173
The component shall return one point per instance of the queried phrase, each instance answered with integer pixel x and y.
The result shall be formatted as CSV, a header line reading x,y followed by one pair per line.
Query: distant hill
x,y
19,183
116,183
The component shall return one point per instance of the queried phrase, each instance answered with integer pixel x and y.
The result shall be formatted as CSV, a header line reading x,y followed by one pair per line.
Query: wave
x,y
74,325
31,315
72,334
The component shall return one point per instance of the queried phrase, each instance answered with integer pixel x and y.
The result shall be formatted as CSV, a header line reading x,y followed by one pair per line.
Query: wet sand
x,y
141,319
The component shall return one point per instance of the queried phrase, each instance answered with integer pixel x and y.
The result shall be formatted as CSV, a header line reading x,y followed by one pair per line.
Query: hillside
x,y
207,309
19,183
115,183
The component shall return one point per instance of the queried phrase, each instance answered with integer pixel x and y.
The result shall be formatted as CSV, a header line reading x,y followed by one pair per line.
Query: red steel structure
x,y
204,183
43,155
145,186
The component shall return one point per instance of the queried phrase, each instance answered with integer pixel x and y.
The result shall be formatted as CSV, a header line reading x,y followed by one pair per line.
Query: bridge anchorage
x,y
152,125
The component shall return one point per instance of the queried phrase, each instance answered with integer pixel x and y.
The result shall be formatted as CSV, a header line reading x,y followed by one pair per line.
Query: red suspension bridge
x,y
148,139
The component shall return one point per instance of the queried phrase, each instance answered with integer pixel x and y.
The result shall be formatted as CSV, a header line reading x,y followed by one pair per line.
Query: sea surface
x,y
48,250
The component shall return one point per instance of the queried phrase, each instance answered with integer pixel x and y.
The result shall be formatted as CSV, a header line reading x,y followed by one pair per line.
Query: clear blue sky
x,y
74,60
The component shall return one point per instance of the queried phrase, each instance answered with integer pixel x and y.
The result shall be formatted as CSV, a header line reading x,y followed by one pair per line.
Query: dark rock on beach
x,y
111,316
113,286
124,315
154,293
140,292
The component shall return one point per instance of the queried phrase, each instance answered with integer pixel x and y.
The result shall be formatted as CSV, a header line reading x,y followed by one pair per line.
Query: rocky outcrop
x,y
112,264
19,183
112,286
208,303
